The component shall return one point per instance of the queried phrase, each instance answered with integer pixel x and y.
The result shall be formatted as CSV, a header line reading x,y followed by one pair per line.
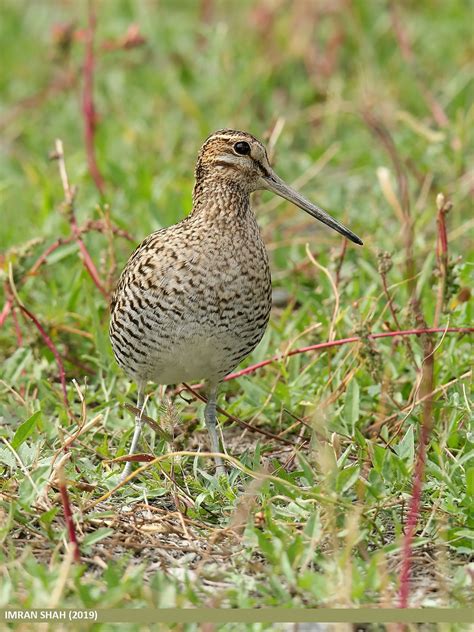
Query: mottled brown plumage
x,y
194,299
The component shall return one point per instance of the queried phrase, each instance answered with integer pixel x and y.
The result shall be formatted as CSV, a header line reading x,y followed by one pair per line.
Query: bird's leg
x,y
137,431
210,418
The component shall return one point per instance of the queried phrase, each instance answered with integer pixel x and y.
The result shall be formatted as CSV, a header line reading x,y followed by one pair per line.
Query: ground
x,y
350,485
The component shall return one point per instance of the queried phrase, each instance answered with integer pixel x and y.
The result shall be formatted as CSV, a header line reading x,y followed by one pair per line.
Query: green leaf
x,y
347,477
96,536
286,568
308,472
406,448
25,430
351,405
7,524
7,458
379,454
359,438
264,544
470,482
48,516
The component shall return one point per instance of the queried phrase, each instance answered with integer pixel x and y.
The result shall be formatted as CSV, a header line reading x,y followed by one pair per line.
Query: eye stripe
x,y
263,170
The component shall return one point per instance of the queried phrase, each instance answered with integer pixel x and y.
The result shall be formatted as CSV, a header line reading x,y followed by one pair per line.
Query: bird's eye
x,y
242,148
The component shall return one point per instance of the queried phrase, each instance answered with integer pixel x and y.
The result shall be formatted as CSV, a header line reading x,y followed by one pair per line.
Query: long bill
x,y
274,183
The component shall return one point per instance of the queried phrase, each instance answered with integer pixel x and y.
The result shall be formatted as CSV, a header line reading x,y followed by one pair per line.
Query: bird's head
x,y
240,160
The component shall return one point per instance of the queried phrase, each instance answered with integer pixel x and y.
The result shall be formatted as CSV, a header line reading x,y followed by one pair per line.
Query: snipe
x,y
194,299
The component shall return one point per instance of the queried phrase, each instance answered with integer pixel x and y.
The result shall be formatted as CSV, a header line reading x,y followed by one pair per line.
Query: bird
x,y
194,299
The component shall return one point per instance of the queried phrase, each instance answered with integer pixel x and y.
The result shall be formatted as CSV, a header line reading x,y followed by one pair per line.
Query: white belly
x,y
191,360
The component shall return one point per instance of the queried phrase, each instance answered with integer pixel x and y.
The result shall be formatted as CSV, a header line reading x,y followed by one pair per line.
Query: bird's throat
x,y
220,201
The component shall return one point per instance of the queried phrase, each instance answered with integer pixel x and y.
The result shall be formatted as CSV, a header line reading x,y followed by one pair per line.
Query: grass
x,y
369,110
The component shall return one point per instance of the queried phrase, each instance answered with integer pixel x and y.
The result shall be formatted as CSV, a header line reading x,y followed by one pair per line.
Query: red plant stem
x,y
394,314
442,255
68,515
90,267
89,226
244,424
88,263
343,341
69,194
88,109
442,234
52,347
49,250
7,308
389,299
19,337
86,258
413,514
426,387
